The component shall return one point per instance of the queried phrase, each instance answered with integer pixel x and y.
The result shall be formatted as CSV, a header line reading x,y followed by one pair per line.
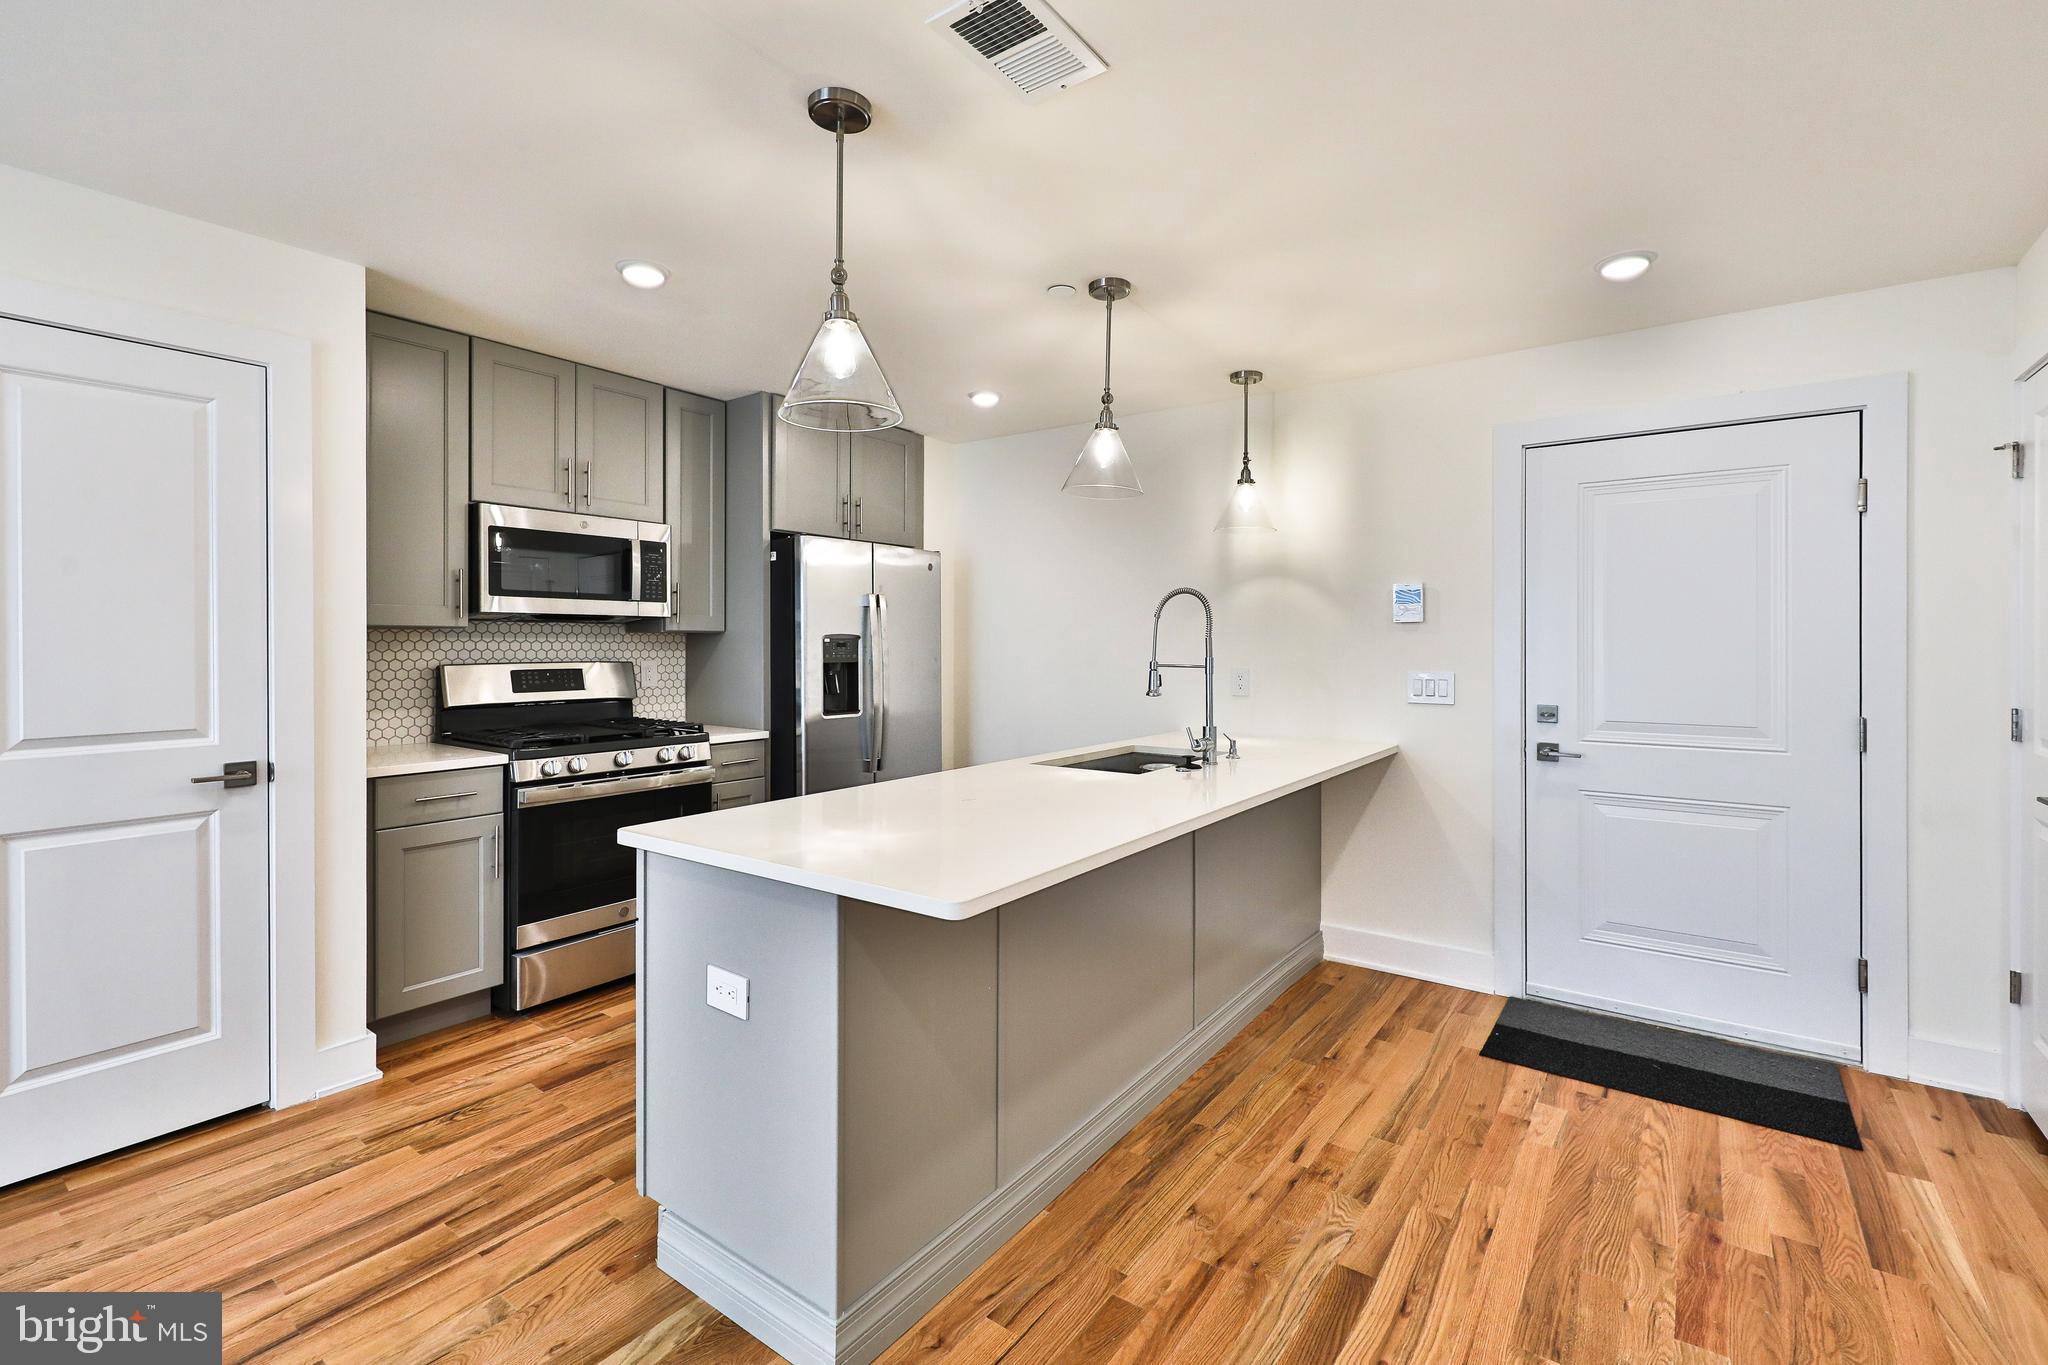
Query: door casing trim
x,y
1881,401
301,1066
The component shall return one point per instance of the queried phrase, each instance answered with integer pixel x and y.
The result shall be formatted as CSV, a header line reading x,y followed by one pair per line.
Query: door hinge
x,y
1863,975
2018,729
1863,495
2013,982
1862,734
2019,457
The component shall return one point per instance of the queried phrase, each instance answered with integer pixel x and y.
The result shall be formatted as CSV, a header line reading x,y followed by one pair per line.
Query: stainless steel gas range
x,y
582,767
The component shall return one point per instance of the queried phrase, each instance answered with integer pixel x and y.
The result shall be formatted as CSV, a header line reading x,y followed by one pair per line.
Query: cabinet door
x,y
812,485
418,473
438,912
696,512
888,486
618,446
522,426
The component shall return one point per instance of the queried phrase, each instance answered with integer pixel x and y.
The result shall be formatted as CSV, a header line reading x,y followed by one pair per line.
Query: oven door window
x,y
523,562
566,856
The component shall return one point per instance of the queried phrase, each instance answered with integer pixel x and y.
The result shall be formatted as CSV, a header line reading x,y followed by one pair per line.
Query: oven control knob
x,y
576,765
549,767
623,758
666,755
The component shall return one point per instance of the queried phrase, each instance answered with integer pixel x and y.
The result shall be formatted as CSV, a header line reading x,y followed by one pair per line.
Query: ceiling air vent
x,y
1022,41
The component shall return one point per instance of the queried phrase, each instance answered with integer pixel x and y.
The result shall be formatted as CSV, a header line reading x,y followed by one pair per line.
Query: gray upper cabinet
x,y
813,492
418,475
888,486
522,427
695,480
438,912
864,485
618,446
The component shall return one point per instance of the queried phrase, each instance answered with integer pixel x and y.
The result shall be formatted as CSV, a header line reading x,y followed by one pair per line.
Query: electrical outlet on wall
x,y
1240,682
724,990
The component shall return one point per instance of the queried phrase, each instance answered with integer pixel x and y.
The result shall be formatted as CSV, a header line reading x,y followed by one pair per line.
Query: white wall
x,y
1389,478
61,234
2032,324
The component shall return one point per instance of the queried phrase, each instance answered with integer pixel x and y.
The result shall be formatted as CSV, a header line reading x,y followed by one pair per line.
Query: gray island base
x,y
906,1092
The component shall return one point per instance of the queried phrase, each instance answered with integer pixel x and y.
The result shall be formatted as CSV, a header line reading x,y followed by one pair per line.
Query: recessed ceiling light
x,y
642,274
1629,265
1060,291
984,398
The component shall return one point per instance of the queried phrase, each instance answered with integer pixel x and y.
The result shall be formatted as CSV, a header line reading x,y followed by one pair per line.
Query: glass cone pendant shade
x,y
1246,510
1103,469
839,387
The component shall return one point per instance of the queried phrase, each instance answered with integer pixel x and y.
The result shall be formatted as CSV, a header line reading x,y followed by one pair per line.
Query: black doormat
x,y
1802,1095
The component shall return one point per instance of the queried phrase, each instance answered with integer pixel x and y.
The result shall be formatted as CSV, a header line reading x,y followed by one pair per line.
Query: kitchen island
x,y
959,990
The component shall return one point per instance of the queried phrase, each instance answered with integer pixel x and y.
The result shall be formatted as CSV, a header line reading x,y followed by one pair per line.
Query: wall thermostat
x,y
1407,602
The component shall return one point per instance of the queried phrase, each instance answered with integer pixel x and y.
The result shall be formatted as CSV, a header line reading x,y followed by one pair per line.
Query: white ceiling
x,y
1320,188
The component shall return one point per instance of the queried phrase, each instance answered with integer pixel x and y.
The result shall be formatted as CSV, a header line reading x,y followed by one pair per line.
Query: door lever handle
x,y
241,774
1547,752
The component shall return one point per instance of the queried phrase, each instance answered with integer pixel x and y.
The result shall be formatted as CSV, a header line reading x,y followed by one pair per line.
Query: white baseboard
x,y
346,1065
1953,1066
1463,967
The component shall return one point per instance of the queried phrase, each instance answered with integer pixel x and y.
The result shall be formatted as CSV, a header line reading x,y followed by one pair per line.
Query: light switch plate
x,y
1432,689
724,990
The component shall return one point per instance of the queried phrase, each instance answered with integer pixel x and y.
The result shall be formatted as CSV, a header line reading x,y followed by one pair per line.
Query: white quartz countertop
x,y
954,844
732,734
397,760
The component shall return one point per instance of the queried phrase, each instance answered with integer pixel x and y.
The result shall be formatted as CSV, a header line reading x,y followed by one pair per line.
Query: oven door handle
x,y
596,787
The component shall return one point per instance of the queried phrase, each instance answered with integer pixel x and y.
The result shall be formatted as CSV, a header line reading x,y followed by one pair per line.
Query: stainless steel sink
x,y
1136,762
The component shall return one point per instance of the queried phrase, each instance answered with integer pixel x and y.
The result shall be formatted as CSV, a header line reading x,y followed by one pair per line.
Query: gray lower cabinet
x,y
437,912
522,427
418,473
618,446
695,483
863,485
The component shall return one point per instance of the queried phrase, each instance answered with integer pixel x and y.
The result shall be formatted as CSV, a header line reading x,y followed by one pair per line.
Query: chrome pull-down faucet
x,y
1203,746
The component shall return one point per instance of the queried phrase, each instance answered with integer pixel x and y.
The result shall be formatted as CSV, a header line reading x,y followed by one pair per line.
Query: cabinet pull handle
x,y
567,486
586,483
845,516
856,518
443,796
459,604
497,855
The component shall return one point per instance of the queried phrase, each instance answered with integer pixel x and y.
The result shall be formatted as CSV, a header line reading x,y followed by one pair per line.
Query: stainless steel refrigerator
x,y
854,663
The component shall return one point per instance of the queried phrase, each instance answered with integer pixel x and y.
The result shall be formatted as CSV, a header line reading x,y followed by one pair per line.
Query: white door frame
x,y
2020,932
1881,402
296,1064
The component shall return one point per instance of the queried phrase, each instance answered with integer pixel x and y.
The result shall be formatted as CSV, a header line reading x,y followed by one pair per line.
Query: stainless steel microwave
x,y
529,562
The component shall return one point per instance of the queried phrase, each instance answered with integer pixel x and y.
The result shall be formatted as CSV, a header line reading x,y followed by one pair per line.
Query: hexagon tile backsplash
x,y
402,664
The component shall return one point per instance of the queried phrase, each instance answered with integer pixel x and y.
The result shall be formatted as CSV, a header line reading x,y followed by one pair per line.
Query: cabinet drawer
x,y
418,798
747,758
751,792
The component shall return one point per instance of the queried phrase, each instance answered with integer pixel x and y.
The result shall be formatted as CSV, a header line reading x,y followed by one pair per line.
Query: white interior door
x,y
134,923
2034,761
1693,616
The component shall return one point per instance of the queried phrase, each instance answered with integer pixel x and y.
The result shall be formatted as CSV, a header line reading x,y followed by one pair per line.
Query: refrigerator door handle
x,y
870,621
881,680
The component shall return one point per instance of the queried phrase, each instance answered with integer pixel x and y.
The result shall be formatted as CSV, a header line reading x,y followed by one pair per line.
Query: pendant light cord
x,y
1108,327
839,208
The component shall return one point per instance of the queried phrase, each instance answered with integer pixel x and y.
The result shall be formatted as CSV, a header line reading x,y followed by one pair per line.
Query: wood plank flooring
x,y
1348,1181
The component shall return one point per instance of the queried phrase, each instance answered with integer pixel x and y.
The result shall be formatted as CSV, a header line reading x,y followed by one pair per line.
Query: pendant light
x,y
1103,468
1246,510
839,386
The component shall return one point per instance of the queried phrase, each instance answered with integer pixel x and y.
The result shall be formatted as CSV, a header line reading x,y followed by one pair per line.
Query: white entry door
x,y
2034,761
1693,607
134,921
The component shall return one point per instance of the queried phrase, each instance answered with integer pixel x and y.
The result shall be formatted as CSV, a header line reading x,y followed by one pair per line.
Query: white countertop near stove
x,y
399,760
952,845
732,734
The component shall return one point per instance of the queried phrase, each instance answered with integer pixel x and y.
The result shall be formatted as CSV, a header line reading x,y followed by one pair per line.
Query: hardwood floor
x,y
1347,1181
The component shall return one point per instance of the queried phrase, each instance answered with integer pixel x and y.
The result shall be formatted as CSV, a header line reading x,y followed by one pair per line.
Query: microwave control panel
x,y
653,571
